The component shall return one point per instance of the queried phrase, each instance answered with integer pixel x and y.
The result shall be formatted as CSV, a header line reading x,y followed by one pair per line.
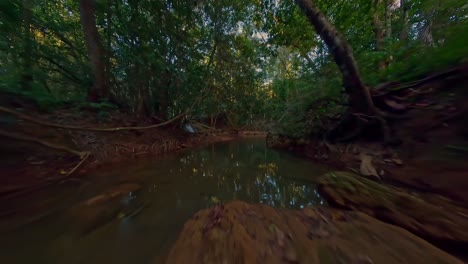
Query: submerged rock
x,y
243,233
429,216
103,208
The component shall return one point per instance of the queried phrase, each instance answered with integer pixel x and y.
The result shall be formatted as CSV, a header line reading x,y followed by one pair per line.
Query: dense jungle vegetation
x,y
258,63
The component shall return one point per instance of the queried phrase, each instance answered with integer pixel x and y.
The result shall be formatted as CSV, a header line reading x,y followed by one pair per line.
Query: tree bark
x,y
164,95
404,17
359,95
388,18
379,33
26,75
426,33
96,53
109,39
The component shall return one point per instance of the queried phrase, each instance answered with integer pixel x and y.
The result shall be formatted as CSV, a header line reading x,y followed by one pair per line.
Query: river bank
x,y
40,148
420,183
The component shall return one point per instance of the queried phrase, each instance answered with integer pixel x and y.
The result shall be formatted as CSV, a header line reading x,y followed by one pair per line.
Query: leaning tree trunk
x,y
360,101
96,53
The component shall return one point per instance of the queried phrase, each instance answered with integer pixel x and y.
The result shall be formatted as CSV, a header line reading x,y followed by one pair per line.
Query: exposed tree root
x,y
44,143
352,125
389,106
114,129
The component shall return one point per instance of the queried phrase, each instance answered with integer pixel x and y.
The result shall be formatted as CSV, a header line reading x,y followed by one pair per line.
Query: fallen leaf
x,y
215,199
367,169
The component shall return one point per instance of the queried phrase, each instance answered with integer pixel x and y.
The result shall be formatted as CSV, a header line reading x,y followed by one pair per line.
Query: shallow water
x,y
139,227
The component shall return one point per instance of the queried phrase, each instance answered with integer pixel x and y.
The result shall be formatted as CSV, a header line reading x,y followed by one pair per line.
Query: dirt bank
x,y
431,129
243,233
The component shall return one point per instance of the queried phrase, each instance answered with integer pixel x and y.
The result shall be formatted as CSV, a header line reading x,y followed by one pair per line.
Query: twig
x,y
79,164
322,216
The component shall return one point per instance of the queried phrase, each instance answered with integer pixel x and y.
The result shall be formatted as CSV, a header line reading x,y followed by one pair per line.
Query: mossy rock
x,y
243,233
429,216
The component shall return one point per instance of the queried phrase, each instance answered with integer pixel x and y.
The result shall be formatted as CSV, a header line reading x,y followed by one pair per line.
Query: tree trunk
x,y
96,53
26,56
163,102
404,18
388,18
389,5
426,33
359,95
309,60
379,34
109,39
361,106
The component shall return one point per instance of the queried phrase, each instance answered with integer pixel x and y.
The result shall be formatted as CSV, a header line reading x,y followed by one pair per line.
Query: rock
x,y
431,217
103,208
118,191
248,233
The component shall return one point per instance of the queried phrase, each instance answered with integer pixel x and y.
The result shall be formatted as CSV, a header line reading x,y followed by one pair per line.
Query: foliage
x,y
405,58
250,60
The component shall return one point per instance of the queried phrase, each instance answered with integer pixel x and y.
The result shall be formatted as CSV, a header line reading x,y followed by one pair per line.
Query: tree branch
x,y
42,143
114,129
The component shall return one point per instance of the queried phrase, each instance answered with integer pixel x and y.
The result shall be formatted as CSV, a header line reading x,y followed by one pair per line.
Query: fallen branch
x,y
43,143
48,124
79,164
203,125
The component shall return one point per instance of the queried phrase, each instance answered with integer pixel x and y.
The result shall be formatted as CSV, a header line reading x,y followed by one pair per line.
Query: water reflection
x,y
247,171
140,227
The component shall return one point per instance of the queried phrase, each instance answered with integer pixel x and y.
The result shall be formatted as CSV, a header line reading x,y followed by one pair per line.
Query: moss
x,y
397,206
351,182
326,255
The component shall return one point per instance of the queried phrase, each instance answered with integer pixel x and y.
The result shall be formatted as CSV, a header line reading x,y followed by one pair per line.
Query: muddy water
x,y
138,226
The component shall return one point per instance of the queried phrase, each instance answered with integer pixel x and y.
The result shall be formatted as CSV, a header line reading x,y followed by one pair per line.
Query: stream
x,y
65,224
